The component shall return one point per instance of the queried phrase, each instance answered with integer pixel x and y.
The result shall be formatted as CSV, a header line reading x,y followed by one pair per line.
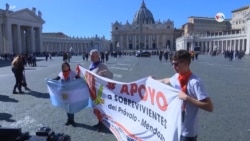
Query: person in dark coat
x,y
18,68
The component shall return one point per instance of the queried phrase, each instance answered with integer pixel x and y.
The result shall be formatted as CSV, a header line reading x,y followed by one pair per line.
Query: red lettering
x,y
143,95
111,86
164,105
124,89
133,89
151,94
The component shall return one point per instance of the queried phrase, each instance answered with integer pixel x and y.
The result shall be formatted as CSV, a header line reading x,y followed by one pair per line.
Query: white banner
x,y
144,110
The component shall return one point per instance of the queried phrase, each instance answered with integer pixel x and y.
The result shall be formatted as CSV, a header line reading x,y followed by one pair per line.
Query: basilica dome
x,y
143,16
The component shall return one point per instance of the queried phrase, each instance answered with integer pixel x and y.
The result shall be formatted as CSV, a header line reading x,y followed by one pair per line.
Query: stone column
x,y
233,44
38,43
33,39
239,47
157,42
226,44
243,44
248,36
150,41
202,46
207,46
28,40
19,39
9,46
121,43
23,40
127,41
1,38
17,45
210,46
230,44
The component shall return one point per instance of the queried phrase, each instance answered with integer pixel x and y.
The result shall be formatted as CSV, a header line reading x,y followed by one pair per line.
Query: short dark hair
x,y
182,55
67,64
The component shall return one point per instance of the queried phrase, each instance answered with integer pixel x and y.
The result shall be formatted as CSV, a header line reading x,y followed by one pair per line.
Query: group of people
x,y
192,91
104,56
97,67
67,56
231,54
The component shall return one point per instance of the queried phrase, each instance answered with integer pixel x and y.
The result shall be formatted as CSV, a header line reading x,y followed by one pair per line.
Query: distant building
x,y
59,42
21,32
210,35
144,33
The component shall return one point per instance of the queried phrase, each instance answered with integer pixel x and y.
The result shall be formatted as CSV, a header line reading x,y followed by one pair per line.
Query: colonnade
x,y
19,38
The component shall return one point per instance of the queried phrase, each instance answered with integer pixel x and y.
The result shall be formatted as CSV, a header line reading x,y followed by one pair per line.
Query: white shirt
x,y
196,90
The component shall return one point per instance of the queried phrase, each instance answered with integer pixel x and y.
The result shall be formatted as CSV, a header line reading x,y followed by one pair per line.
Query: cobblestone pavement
x,y
227,83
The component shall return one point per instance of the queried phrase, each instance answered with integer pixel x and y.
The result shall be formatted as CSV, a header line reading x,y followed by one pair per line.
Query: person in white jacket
x,y
101,69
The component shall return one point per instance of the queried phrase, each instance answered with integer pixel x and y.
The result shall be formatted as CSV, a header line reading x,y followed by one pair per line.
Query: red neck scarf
x,y
183,79
78,70
66,74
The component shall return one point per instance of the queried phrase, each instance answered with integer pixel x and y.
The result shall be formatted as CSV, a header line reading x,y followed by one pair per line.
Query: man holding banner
x,y
142,110
102,70
192,93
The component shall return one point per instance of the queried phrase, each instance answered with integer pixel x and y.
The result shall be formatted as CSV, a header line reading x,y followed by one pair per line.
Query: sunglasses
x,y
177,63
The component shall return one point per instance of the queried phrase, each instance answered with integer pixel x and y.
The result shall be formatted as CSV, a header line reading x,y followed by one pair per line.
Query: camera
x,y
42,134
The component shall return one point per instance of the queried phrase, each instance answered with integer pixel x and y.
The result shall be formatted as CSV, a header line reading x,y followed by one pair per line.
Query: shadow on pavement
x,y
33,68
29,68
4,63
38,94
5,98
103,128
6,117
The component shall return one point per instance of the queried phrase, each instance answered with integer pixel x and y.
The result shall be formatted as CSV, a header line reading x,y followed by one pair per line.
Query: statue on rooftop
x,y
7,6
39,13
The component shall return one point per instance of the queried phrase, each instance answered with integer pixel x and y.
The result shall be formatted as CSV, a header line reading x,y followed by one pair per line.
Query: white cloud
x,y
12,7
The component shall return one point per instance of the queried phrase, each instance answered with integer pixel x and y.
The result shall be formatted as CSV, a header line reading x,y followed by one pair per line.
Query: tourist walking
x,y
17,68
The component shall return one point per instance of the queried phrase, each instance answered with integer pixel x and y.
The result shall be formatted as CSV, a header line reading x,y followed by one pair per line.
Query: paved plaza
x,y
226,82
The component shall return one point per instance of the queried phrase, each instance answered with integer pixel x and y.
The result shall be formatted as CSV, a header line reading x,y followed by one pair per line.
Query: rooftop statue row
x,y
8,7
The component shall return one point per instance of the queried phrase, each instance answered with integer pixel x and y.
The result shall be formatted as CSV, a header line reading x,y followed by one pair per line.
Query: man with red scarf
x,y
192,92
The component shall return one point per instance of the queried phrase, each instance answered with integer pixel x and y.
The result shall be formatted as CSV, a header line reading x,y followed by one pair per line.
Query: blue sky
x,y
87,18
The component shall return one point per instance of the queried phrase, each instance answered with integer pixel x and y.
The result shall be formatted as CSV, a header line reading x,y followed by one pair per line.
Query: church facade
x,y
144,33
18,35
